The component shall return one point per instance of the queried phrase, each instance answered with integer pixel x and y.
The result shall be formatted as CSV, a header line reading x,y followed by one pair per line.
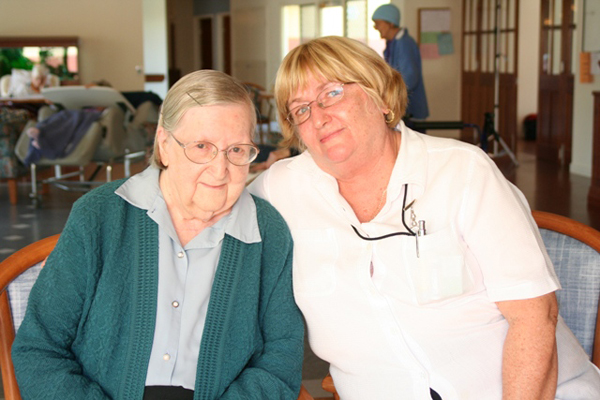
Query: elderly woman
x,y
23,83
173,284
416,264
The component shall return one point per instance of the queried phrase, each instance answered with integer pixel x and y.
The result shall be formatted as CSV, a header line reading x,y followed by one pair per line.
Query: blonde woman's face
x,y
347,134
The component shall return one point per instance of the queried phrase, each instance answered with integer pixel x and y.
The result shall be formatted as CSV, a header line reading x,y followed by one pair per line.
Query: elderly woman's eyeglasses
x,y
328,97
204,152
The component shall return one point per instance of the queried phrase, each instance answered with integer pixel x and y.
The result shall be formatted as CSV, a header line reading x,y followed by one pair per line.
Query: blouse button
x,y
175,304
167,357
180,254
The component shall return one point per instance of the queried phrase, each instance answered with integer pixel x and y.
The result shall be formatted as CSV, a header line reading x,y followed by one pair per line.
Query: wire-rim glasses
x,y
328,97
200,152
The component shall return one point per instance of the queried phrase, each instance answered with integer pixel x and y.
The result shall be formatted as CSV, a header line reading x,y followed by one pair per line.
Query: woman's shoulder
x,y
266,211
269,219
288,171
452,148
102,199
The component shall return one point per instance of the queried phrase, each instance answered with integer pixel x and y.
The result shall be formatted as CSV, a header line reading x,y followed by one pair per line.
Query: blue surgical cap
x,y
389,13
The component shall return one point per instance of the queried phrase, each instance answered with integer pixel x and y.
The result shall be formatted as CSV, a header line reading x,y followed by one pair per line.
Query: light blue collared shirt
x,y
185,277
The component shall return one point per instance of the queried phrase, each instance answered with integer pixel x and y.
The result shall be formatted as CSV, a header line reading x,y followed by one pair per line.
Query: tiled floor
x,y
547,188
23,224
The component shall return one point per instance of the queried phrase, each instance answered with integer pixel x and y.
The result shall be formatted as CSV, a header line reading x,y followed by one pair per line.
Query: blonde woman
x,y
417,266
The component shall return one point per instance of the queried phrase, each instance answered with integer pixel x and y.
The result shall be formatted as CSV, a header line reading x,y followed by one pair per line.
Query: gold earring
x,y
389,116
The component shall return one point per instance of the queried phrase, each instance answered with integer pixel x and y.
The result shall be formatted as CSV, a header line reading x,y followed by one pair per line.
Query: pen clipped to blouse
x,y
420,232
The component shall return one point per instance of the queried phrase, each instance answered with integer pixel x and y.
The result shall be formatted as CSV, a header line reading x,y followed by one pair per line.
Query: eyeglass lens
x,y
205,152
326,98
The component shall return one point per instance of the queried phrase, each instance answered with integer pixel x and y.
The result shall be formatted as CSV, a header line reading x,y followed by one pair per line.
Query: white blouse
x,y
421,321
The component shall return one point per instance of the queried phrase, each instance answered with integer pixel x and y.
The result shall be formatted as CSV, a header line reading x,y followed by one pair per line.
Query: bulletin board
x,y
434,37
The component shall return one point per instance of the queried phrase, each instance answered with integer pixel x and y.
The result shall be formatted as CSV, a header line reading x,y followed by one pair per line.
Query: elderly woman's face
x,y
199,190
386,29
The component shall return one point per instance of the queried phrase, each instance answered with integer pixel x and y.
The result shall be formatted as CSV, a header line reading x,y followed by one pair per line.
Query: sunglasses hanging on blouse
x,y
419,225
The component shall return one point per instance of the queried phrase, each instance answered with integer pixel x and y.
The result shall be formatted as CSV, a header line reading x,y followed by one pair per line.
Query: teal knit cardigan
x,y
90,321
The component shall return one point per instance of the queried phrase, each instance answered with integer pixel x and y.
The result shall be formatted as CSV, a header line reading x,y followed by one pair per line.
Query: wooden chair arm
x,y
304,395
328,386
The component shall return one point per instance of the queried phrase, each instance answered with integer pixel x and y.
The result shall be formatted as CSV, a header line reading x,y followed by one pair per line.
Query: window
x,y
357,20
350,18
308,23
331,19
59,54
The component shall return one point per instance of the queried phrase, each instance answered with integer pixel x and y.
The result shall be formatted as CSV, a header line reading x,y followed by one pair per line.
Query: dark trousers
x,y
167,393
179,393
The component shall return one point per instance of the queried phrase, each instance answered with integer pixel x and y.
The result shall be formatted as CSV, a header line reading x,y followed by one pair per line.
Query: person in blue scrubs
x,y
402,54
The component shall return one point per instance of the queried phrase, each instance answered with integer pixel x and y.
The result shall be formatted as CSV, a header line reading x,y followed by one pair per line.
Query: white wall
x,y
181,13
583,108
253,36
155,45
442,76
528,68
110,33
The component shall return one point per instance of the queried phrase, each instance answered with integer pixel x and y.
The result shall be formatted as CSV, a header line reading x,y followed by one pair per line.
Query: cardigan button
x,y
167,357
175,304
180,254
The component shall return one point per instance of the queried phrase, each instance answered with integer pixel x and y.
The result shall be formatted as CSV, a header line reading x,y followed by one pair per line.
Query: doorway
x,y
212,42
226,43
204,39
486,49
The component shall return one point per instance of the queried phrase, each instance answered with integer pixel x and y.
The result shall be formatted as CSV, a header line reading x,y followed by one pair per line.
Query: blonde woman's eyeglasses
x,y
328,97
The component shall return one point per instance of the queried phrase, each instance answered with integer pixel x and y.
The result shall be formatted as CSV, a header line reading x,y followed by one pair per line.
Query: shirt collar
x,y
410,167
242,223
143,191
411,163
400,33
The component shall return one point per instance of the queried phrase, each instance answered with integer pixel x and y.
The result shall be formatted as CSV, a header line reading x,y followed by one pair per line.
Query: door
x,y
206,43
226,44
555,98
484,53
174,71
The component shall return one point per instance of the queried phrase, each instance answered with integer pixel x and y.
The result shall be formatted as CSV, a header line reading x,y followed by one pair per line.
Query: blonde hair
x,y
338,59
200,88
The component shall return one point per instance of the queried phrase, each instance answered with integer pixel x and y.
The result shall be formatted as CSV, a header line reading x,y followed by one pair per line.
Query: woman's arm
x,y
530,362
44,364
277,372
407,64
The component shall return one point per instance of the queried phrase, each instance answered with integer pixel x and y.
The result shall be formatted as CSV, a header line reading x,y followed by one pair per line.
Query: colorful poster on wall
x,y
435,39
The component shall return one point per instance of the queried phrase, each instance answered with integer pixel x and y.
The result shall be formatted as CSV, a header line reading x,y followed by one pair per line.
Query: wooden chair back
x,y
10,269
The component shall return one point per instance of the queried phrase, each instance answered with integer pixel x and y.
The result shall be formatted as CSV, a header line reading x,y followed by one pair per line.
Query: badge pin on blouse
x,y
420,232
413,222
419,225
